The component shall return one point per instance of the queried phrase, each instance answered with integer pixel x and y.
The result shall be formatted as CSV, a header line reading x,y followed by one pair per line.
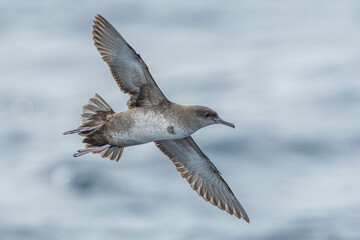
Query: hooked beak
x,y
229,124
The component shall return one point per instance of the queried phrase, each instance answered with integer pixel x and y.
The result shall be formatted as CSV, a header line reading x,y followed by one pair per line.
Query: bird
x,y
151,117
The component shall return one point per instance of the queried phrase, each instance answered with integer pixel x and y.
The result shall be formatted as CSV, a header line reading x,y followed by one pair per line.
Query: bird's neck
x,y
187,118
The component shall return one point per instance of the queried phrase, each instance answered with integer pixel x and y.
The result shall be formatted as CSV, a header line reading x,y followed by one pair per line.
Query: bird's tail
x,y
94,115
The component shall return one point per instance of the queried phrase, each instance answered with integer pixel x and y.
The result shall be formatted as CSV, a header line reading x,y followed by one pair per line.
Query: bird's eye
x,y
207,114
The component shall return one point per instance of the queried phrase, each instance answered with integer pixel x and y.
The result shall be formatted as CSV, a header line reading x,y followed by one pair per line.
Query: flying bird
x,y
151,117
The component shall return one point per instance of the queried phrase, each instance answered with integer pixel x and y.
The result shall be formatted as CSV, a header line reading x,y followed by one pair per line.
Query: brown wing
x,y
129,70
201,174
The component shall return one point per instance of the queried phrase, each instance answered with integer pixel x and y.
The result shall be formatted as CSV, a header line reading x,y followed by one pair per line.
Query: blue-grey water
x,y
287,73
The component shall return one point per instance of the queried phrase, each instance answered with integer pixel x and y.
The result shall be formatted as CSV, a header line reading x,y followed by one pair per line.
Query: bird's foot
x,y
82,129
91,150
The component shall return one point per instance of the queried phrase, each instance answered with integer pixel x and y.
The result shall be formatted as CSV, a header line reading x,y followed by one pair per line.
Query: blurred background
x,y
285,72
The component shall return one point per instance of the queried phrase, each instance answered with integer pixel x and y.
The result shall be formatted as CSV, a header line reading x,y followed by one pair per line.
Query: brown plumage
x,y
151,117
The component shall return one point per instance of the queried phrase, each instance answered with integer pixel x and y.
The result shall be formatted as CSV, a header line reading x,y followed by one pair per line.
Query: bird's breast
x,y
148,126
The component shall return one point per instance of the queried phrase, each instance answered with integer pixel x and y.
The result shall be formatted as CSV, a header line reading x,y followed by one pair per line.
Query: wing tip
x,y
245,217
97,21
98,17
240,212
100,22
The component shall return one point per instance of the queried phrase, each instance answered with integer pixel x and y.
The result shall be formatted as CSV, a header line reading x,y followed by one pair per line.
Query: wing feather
x,y
128,69
201,174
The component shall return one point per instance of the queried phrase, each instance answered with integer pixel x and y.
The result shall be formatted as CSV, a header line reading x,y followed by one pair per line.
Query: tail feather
x,y
112,153
96,111
94,116
99,101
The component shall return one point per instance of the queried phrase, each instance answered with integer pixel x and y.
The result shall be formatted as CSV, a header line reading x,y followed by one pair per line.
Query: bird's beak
x,y
219,120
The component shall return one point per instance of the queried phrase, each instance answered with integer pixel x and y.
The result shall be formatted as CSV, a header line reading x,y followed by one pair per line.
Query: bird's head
x,y
203,116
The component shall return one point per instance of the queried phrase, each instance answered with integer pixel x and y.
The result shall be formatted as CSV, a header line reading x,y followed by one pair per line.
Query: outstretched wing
x,y
129,70
201,174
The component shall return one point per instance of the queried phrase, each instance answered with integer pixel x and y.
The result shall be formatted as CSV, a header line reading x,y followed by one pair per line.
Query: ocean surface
x,y
287,73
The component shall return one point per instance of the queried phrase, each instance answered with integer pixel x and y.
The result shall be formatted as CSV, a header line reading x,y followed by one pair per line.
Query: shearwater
x,y
151,117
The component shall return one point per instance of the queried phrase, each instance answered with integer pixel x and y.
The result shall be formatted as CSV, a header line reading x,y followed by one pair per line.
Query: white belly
x,y
149,126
